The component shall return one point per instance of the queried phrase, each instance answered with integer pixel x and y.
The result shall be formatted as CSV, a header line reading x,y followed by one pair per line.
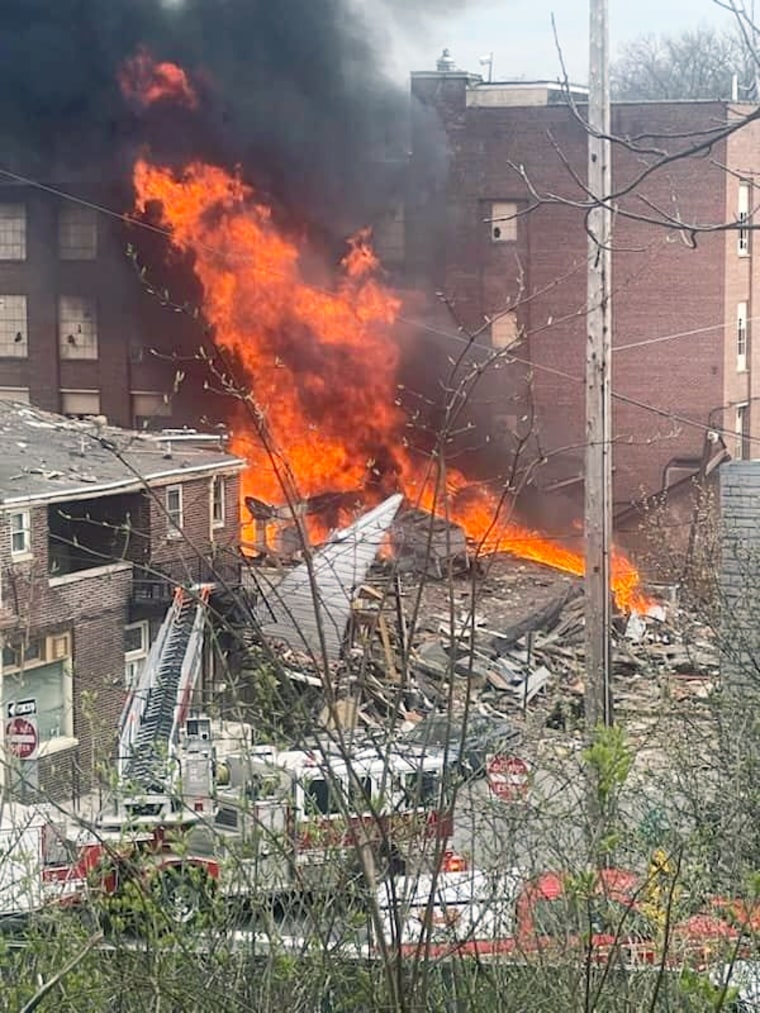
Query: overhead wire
x,y
460,337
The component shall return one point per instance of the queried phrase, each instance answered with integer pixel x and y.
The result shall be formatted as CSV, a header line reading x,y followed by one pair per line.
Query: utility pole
x,y
598,481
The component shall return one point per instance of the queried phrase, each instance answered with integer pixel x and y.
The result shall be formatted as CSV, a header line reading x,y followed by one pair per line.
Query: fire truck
x,y
188,826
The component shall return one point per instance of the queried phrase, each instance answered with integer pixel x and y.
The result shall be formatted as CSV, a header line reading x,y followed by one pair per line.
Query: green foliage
x,y
700,993
610,759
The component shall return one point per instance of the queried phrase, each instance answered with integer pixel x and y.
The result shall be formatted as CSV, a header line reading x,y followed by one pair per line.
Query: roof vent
x,y
445,64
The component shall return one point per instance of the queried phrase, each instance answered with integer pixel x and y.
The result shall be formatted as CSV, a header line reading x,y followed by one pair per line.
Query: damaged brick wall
x,y
94,607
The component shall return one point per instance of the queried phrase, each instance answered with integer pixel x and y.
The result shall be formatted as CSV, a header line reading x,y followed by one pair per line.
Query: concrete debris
x,y
429,545
507,642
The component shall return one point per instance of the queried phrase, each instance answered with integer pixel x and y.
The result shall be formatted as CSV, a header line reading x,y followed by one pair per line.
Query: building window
x,y
12,232
174,510
148,409
743,217
743,452
135,651
13,328
77,233
49,686
217,502
504,330
19,654
21,533
741,337
80,404
19,394
502,221
77,327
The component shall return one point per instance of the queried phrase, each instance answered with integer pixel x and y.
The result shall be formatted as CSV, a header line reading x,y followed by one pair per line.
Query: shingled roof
x,y
49,458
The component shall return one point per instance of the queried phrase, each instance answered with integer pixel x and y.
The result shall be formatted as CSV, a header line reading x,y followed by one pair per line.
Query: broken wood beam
x,y
543,619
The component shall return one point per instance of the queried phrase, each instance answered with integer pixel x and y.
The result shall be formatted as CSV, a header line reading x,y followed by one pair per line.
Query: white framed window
x,y
77,232
77,328
743,215
148,408
502,221
21,533
741,337
742,452
174,511
50,686
23,654
12,232
13,326
218,489
136,643
80,403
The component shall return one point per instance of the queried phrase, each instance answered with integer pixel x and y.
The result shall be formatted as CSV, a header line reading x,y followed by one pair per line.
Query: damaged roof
x,y
311,605
47,458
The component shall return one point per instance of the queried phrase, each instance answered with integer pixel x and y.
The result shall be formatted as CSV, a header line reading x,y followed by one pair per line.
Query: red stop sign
x,y
508,777
21,738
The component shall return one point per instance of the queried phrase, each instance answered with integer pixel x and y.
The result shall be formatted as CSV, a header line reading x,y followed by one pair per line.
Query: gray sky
x,y
519,33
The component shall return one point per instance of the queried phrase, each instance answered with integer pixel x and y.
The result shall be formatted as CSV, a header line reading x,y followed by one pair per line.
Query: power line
x,y
419,324
422,325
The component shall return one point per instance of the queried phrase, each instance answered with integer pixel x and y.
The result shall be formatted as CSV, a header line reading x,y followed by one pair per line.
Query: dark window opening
x,y
422,789
319,799
90,533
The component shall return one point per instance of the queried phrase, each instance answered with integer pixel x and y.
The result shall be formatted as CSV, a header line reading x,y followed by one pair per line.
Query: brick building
x,y
97,525
683,305
79,334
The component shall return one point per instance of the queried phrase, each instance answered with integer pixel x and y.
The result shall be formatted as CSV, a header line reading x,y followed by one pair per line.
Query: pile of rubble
x,y
393,640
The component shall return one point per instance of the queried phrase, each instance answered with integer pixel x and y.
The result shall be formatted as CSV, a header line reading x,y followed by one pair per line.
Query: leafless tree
x,y
700,63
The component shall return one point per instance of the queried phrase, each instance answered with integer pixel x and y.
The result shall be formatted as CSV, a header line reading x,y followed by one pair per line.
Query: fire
x,y
321,362
145,82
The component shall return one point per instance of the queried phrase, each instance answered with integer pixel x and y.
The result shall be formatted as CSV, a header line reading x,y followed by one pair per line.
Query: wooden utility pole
x,y
598,482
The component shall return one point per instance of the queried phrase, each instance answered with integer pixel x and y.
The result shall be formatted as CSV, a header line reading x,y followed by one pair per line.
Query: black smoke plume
x,y
290,89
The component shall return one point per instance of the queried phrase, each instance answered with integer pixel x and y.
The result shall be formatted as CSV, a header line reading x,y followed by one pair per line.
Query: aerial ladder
x,y
164,754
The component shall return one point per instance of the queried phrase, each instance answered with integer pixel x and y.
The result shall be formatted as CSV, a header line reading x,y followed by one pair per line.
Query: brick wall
x,y
138,338
198,536
662,286
739,578
94,605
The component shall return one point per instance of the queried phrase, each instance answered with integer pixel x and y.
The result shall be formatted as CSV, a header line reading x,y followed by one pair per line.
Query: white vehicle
x,y
743,980
454,906
37,865
301,816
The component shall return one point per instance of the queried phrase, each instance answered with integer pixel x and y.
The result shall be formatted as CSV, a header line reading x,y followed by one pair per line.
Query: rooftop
x,y
48,457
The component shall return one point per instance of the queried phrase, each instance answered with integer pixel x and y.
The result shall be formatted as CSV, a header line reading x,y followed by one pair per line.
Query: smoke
x,y
292,90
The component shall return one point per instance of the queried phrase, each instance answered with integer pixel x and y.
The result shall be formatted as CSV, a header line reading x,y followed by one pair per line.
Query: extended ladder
x,y
159,702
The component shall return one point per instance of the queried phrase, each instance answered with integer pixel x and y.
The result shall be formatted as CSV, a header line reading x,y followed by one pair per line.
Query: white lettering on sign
x,y
22,737
21,708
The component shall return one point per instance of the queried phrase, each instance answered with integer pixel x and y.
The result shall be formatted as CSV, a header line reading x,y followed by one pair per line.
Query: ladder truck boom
x,y
153,718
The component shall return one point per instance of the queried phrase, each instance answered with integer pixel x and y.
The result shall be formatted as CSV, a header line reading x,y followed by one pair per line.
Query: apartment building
x,y
78,332
97,527
494,220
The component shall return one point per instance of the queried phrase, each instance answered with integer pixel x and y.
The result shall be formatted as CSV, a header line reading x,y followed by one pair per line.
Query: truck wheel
x,y
182,894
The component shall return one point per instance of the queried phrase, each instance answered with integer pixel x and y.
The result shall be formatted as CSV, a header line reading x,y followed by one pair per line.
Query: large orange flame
x,y
321,365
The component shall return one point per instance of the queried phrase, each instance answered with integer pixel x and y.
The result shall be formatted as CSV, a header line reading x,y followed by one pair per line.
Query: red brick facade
x,y
138,339
93,606
664,283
